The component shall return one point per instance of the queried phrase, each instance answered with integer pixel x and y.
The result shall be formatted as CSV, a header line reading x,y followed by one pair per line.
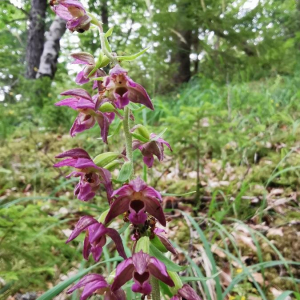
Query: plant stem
x,y
155,288
128,136
104,48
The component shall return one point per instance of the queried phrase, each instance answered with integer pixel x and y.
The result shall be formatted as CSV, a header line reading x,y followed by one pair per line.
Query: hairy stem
x,y
155,288
128,136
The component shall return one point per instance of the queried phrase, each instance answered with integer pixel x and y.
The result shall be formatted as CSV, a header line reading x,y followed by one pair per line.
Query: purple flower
x,y
186,292
139,199
95,283
73,12
140,267
91,176
96,237
89,63
159,233
122,89
88,112
154,147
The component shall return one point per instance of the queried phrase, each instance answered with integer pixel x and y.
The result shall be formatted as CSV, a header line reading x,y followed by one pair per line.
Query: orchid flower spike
x,y
96,237
89,114
121,89
139,199
140,267
91,176
74,13
154,147
96,284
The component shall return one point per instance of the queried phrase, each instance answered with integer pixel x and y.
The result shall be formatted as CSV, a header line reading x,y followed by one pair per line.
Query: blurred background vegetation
x,y
224,79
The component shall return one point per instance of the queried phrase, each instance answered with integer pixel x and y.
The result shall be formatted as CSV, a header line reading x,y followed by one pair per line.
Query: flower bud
x,y
107,107
104,159
177,281
103,216
143,244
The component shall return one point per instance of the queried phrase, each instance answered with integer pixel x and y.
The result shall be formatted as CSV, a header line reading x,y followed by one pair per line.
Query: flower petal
x,y
83,58
140,261
124,273
188,293
138,184
85,192
62,12
80,93
74,153
96,252
91,288
96,231
167,244
138,94
69,162
123,191
82,123
85,163
153,207
117,70
86,250
85,280
148,161
81,225
114,235
151,193
118,207
70,102
159,270
103,123
81,78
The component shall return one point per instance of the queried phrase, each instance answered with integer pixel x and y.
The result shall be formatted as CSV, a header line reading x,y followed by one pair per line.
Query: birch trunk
x,y
48,62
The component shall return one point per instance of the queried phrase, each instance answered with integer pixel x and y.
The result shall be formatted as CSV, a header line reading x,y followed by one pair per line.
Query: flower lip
x,y
137,205
121,91
141,277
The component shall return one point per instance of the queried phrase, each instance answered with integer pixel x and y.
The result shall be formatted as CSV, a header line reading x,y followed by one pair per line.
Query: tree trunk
x,y
104,14
182,57
48,62
35,40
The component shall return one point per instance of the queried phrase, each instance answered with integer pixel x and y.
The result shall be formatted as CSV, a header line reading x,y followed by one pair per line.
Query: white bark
x,y
50,54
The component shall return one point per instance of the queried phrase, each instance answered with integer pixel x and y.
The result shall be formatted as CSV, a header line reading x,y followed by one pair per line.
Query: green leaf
x,y
125,172
50,294
178,195
132,57
158,244
159,135
171,266
285,294
109,32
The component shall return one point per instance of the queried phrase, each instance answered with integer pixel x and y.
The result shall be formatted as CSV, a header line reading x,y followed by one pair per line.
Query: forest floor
x,y
239,233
